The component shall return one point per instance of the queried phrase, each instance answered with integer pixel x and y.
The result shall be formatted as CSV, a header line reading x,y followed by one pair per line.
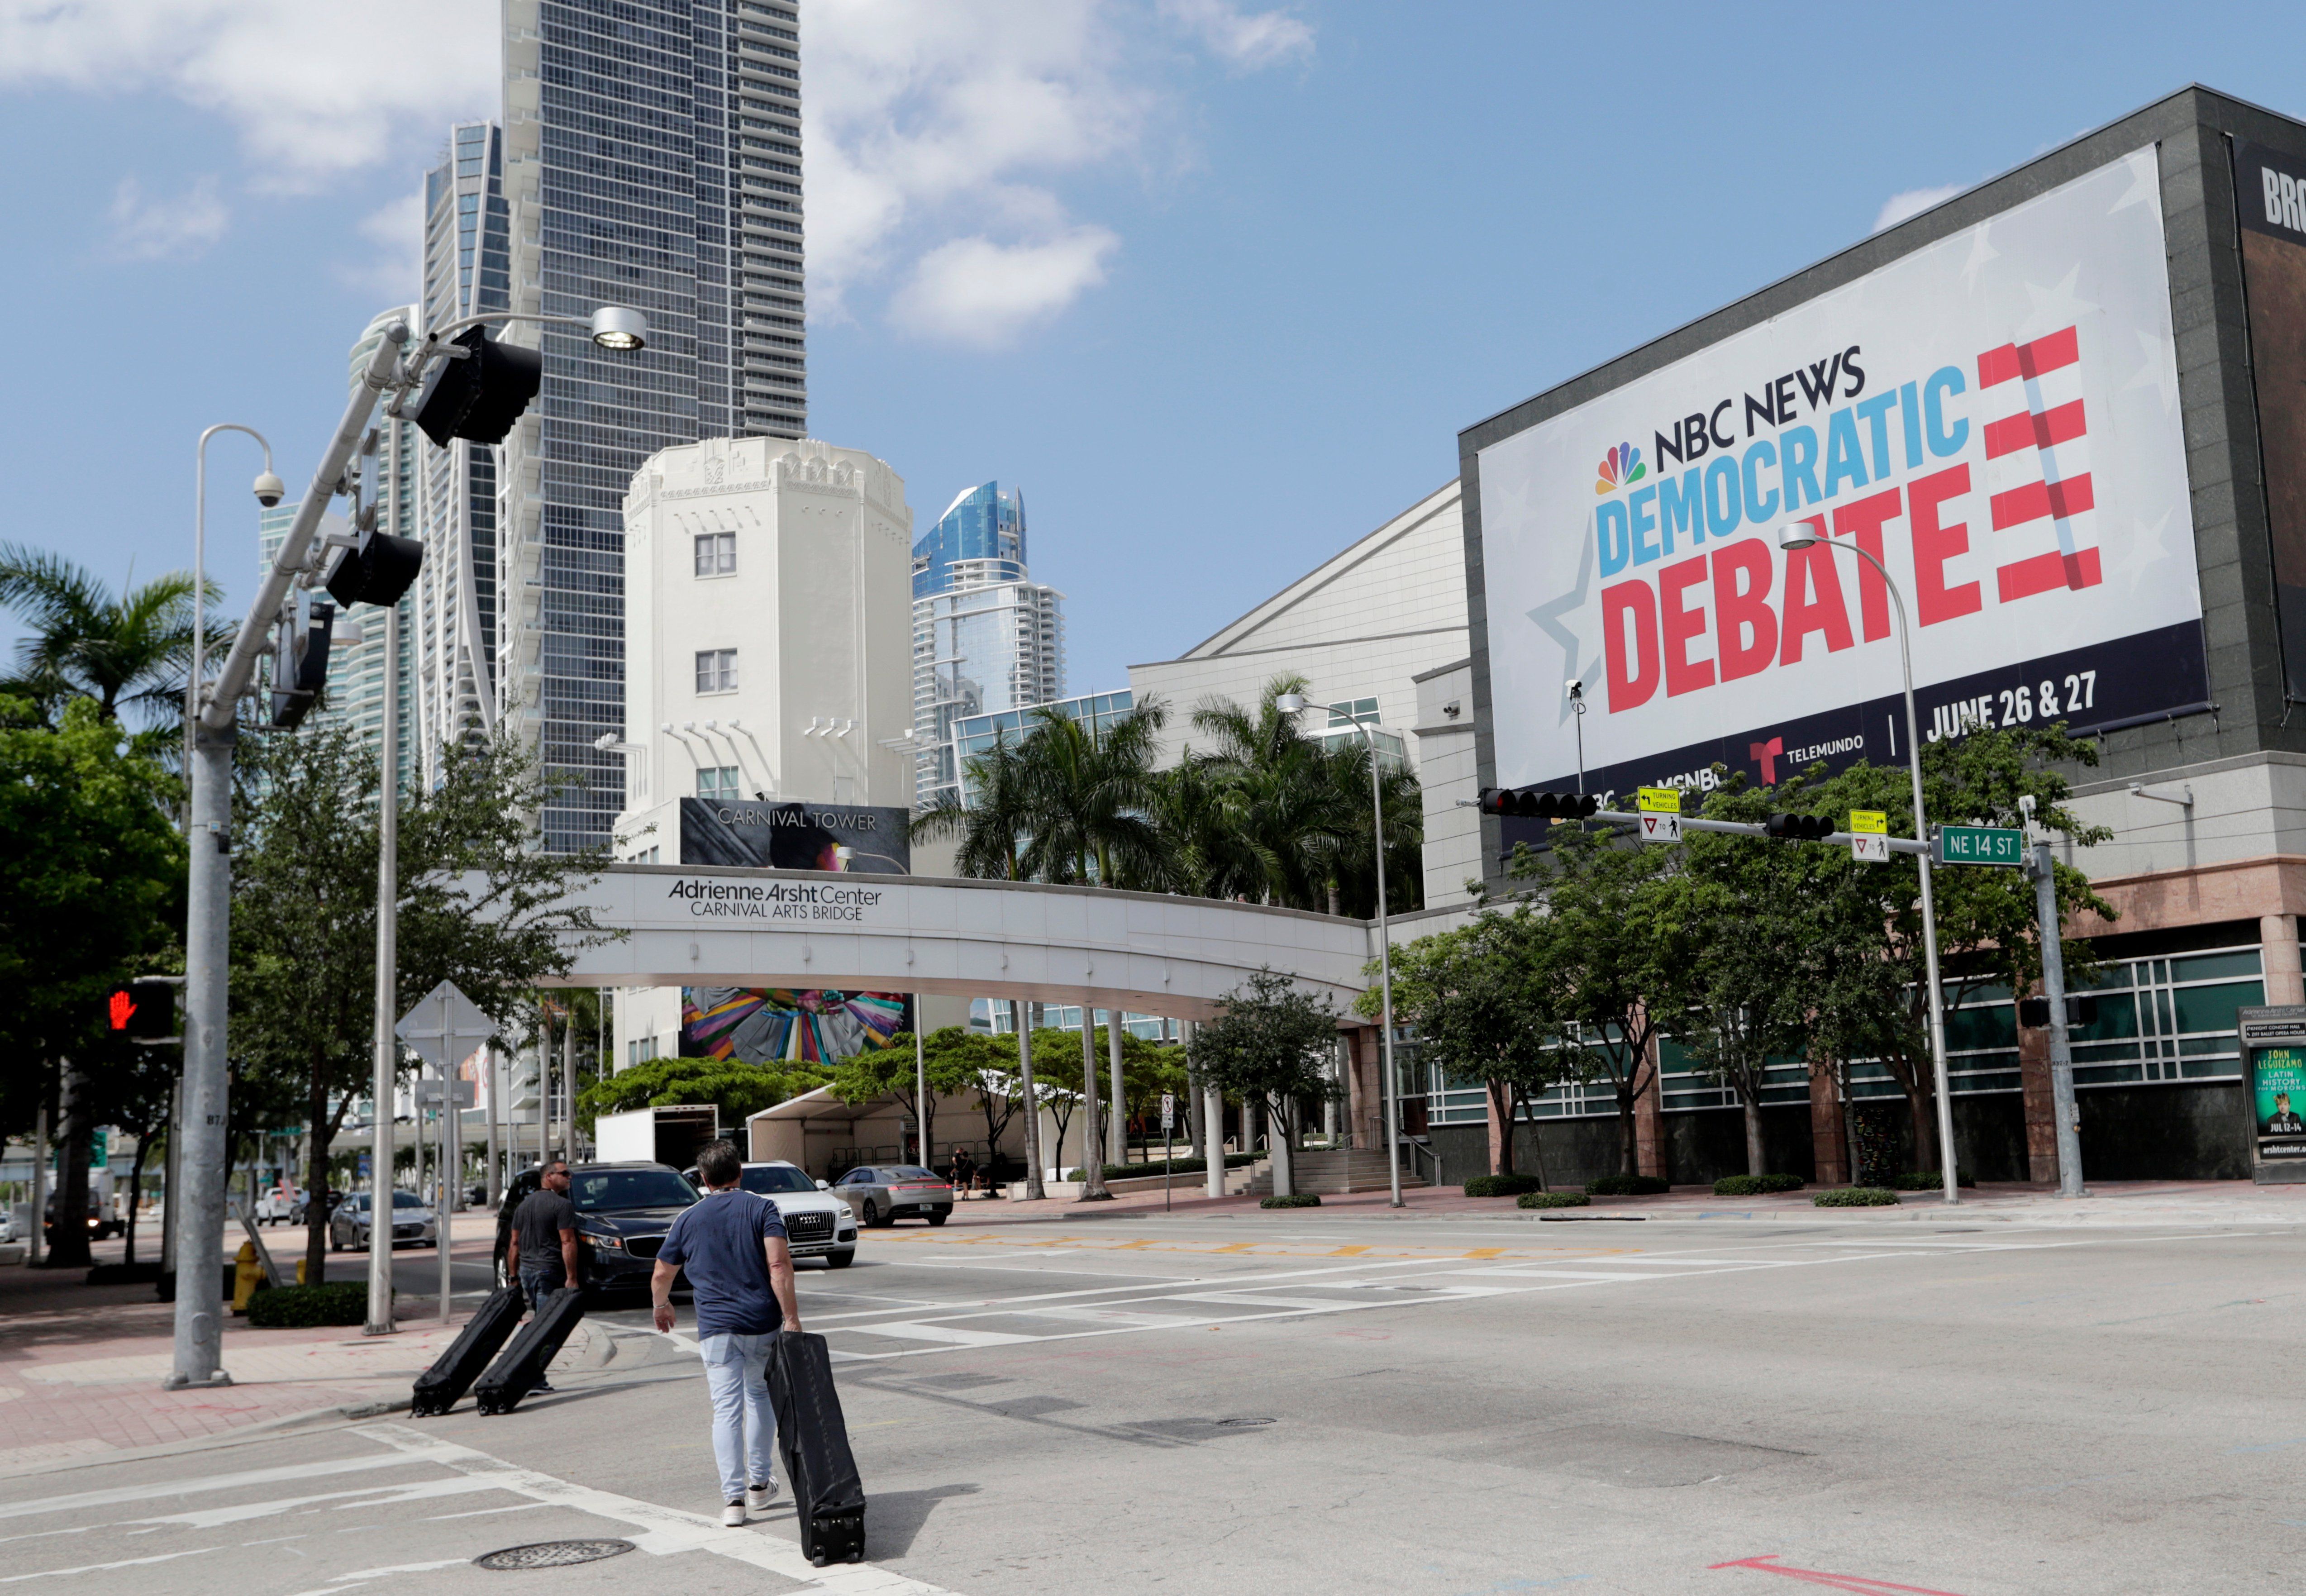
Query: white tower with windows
x,y
767,631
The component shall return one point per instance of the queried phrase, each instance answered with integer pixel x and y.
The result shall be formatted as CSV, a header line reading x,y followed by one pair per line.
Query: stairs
x,y
1334,1174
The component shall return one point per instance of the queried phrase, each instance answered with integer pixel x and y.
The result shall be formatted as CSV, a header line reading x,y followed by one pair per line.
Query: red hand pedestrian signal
x,y
122,1006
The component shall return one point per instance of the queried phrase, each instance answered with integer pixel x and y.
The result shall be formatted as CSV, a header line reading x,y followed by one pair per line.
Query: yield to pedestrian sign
x,y
1659,808
1869,836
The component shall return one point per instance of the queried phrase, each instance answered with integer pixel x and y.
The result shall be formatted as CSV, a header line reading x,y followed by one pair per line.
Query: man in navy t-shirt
x,y
733,1246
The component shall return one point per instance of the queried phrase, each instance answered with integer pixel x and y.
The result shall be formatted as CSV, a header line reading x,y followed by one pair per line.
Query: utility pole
x,y
1120,1142
387,1058
1092,1154
2053,992
1023,1011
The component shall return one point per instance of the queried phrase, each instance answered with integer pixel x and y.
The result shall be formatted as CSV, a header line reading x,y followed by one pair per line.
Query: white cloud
x,y
1897,207
937,132
315,88
1248,41
393,269
977,292
166,226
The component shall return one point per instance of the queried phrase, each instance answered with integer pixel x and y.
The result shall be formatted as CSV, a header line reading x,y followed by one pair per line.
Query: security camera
x,y
270,489
1573,687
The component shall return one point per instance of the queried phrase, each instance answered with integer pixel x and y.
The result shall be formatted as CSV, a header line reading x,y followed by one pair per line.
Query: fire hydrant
x,y
247,1274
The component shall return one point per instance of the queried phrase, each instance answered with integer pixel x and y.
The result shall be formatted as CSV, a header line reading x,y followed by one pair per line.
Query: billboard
x,y
2271,203
760,1026
1993,417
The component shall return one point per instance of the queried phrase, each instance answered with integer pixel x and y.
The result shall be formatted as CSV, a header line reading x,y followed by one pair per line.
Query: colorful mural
x,y
760,1027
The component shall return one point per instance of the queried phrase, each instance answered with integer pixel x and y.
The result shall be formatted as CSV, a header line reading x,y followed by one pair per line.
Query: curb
x,y
340,1413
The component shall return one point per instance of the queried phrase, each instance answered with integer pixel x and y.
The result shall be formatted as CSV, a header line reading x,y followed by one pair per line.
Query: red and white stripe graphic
x,y
2037,480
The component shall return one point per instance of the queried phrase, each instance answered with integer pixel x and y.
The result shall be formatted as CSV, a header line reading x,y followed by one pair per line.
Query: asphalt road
x,y
1257,1403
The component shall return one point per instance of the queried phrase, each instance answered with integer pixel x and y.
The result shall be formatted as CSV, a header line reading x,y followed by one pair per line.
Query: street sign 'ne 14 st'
x,y
1980,845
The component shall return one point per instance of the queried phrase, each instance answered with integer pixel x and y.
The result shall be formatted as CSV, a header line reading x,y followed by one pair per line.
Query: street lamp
x,y
1802,534
1297,703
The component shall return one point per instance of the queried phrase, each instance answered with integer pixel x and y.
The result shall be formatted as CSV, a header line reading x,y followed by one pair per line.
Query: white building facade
x,y
1361,627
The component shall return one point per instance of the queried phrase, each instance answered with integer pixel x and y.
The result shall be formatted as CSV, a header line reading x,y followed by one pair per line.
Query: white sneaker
x,y
758,1497
733,1515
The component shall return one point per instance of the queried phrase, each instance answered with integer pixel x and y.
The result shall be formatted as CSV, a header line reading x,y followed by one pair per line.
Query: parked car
x,y
413,1224
275,1207
298,1211
885,1193
622,1212
7,1226
818,1224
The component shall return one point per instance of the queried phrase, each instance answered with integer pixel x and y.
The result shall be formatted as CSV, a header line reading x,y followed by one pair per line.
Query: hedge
x,y
1552,1199
1928,1180
1756,1185
296,1307
1303,1199
1502,1186
1856,1197
1626,1185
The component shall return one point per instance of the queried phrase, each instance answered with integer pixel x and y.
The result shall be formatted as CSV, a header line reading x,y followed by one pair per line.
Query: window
x,y
717,781
1344,714
716,670
716,554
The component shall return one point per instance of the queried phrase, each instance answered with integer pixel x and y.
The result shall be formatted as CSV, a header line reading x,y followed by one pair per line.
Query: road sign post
x,y
1168,1146
1869,836
1659,809
444,1027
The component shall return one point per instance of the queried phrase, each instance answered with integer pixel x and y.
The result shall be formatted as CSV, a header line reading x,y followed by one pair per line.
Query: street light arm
x,y
201,553
240,664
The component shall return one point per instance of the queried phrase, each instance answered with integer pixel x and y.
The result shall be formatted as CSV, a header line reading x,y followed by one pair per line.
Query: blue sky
x,y
1215,282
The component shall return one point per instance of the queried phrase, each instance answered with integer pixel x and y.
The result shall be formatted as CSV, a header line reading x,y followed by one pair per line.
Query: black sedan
x,y
622,1212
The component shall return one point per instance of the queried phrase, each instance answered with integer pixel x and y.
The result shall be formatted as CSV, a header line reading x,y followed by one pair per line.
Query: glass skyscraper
x,y
652,159
983,523
452,640
988,639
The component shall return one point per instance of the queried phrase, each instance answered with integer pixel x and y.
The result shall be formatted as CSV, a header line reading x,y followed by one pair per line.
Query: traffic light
x,y
377,572
142,1011
2034,1012
300,664
1800,828
478,393
1530,803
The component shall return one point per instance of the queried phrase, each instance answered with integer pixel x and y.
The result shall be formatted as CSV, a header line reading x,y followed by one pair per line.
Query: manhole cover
x,y
552,1554
1242,1424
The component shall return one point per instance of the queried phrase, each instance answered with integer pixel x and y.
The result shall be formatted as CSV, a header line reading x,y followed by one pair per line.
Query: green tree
x,y
129,651
1490,1004
1871,998
1745,942
993,830
478,904
1602,893
1089,797
92,883
951,1068
739,1091
1274,1043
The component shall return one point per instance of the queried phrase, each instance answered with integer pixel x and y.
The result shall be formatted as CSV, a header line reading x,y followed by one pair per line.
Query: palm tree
x,y
992,830
133,651
1089,794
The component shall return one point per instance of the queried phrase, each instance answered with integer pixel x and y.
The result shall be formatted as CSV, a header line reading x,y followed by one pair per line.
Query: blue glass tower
x,y
983,523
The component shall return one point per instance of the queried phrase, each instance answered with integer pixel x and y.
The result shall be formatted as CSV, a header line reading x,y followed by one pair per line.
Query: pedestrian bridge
x,y
1140,952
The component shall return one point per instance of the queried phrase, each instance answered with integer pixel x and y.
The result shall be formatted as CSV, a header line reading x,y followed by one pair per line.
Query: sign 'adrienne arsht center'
x,y
1141,952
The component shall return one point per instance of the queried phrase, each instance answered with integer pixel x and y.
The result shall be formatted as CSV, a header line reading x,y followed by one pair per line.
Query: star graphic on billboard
x,y
2160,372
1549,620
2054,307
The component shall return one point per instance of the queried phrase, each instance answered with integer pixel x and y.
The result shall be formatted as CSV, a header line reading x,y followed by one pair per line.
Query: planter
x,y
1017,1193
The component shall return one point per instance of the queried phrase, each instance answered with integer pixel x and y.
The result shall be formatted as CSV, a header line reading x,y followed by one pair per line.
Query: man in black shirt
x,y
541,1253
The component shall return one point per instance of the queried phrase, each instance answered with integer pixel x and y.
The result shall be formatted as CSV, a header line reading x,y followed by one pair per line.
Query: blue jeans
x,y
536,1285
744,1423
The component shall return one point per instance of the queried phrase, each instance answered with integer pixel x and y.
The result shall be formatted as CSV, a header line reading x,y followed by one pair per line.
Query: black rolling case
x,y
827,1495
521,1369
452,1374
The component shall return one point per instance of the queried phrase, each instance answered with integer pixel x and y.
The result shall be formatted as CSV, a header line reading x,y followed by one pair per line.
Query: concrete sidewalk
x,y
80,1366
2111,1202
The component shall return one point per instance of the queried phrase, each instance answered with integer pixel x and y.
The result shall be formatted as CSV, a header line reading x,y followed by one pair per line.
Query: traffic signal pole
x,y
199,1342
2062,1051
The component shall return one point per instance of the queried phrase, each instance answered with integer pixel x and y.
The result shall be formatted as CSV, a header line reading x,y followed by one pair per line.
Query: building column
x,y
2277,936
1649,1128
2040,1106
1829,1137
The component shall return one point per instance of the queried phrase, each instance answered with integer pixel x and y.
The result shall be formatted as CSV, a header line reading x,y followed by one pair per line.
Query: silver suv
x,y
816,1226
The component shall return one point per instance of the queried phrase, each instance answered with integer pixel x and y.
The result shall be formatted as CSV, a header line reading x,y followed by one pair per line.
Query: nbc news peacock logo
x,y
1621,465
